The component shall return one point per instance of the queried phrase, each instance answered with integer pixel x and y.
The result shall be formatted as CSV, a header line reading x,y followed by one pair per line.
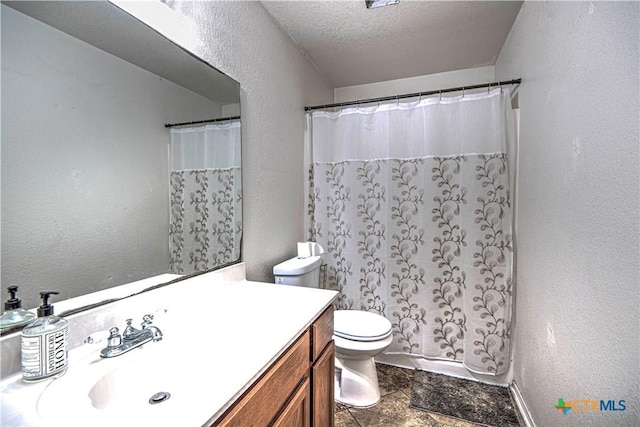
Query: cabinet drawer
x,y
321,332
269,394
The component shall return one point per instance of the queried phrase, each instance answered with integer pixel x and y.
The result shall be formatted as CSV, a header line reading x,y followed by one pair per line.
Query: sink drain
x,y
159,397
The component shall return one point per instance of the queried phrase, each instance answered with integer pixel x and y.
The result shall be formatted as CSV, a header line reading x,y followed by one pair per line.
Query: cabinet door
x,y
296,411
322,377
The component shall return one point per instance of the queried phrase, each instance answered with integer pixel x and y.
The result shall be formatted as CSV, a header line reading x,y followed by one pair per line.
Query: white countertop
x,y
218,340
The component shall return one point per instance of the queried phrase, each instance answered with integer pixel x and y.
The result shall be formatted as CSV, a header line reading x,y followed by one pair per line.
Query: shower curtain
x,y
411,202
206,197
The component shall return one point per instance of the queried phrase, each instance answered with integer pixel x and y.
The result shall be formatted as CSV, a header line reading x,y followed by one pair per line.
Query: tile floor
x,y
393,409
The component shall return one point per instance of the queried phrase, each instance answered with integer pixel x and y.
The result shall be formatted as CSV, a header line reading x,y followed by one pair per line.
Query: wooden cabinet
x,y
322,370
297,390
266,398
321,333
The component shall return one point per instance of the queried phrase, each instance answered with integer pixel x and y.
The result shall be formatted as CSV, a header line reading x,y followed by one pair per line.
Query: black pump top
x,y
14,302
46,309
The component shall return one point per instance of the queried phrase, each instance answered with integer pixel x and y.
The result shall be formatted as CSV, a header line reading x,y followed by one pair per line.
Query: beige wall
x,y
577,285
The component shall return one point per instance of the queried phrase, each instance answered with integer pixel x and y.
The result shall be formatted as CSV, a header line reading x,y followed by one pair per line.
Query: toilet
x,y
299,271
359,336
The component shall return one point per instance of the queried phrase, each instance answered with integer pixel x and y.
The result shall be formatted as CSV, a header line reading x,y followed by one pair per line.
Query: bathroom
x,y
577,272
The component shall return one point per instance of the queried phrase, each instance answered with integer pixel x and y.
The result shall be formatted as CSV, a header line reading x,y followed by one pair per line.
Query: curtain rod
x,y
413,95
222,119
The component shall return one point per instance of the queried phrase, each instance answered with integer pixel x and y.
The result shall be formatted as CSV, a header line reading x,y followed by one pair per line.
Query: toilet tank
x,y
299,272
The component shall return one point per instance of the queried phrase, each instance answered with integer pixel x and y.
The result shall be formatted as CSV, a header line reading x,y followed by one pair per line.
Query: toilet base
x,y
356,382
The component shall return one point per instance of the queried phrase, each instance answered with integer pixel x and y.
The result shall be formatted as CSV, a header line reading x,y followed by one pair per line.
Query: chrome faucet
x,y
131,337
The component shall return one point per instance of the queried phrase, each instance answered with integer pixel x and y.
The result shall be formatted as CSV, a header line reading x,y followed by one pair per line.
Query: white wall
x,y
470,76
577,273
243,41
84,163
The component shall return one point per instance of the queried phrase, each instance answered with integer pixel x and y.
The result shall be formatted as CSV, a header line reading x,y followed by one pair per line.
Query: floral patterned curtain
x,y
206,197
412,204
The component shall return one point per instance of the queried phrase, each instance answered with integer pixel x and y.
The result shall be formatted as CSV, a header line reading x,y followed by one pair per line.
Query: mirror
x,y
89,199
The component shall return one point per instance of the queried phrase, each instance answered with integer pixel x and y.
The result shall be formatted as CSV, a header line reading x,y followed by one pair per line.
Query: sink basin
x,y
133,386
105,390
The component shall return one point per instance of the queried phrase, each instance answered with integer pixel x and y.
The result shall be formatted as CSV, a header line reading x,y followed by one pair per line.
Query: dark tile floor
x,y
393,409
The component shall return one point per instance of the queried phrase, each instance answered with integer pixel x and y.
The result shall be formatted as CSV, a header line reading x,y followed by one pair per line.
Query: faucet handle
x,y
114,339
146,320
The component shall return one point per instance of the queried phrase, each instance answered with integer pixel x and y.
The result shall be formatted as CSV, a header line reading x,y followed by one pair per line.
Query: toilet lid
x,y
359,325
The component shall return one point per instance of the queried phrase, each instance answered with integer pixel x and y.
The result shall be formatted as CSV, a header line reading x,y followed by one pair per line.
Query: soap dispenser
x,y
14,314
45,343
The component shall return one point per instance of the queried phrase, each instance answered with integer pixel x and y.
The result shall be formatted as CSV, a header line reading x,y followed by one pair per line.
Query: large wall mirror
x,y
96,190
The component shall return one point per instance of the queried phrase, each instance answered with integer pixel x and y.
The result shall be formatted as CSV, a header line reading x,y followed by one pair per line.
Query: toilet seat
x,y
364,326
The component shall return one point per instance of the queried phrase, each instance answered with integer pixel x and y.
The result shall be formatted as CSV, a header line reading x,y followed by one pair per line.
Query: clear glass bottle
x,y
45,344
14,314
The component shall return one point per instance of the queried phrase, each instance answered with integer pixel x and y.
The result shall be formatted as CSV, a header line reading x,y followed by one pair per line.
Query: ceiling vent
x,y
377,3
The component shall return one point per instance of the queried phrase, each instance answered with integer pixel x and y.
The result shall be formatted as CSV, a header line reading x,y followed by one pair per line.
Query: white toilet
x,y
359,336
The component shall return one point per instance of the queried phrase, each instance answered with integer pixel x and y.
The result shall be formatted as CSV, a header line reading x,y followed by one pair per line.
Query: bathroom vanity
x,y
296,390
233,353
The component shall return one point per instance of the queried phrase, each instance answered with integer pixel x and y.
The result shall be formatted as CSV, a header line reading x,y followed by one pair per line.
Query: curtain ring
x,y
463,91
397,100
440,94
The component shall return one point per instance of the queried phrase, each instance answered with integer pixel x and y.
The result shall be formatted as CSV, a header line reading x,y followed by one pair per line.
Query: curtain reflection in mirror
x,y
206,196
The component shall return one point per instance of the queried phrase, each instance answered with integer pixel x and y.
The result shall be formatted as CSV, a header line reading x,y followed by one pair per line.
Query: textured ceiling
x,y
353,45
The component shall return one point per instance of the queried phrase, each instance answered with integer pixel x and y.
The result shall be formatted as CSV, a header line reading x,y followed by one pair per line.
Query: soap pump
x,y
45,343
14,314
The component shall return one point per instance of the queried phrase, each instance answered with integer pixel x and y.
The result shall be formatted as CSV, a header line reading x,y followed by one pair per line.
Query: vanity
x,y
296,390
233,353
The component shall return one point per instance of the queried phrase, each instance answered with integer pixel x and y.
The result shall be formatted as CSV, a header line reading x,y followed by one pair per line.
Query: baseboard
x,y
521,407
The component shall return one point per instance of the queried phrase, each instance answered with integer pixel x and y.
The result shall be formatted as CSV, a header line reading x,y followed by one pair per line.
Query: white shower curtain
x,y
411,202
206,195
